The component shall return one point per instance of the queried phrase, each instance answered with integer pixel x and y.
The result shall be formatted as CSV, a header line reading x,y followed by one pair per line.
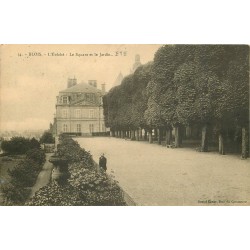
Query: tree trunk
x,y
159,136
188,132
221,144
140,134
155,134
137,134
168,136
244,151
122,134
111,133
204,139
145,134
132,135
150,139
178,139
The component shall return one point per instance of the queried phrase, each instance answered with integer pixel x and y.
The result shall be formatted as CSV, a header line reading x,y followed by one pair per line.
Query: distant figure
x,y
103,162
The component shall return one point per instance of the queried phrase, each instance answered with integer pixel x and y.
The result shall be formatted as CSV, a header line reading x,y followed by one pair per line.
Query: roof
x,y
81,88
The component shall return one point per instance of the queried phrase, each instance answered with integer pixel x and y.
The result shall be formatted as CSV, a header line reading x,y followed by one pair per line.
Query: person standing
x,y
103,163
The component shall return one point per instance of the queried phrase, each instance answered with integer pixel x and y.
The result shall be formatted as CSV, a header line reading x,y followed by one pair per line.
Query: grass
x,y
7,162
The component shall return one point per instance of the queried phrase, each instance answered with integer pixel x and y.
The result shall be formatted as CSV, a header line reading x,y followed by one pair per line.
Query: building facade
x,y
79,109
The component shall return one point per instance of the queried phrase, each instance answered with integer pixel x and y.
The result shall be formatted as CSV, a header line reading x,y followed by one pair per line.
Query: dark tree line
x,y
186,88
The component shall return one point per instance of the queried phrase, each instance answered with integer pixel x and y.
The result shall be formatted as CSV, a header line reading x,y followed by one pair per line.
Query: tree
x,y
17,145
47,137
36,155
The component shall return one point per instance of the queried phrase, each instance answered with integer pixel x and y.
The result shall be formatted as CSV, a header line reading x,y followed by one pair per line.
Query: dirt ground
x,y
156,175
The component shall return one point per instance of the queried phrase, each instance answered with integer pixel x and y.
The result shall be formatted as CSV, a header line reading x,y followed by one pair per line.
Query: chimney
x,y
93,83
72,82
103,88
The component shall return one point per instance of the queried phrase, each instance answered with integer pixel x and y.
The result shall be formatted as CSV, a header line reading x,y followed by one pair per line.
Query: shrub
x,y
36,155
17,145
85,187
34,143
14,195
71,150
95,188
24,174
47,137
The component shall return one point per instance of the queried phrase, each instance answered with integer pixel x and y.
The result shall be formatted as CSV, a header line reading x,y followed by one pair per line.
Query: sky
x,y
31,76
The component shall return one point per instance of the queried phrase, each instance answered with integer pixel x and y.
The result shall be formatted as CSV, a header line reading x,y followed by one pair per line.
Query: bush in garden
x,y
86,185
36,155
25,173
54,195
34,143
17,145
86,188
47,137
14,195
71,150
94,187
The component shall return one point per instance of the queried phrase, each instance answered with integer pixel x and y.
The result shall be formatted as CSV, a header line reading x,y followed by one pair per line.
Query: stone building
x,y
79,109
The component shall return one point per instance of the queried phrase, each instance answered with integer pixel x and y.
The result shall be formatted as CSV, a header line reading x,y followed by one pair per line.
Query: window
x,y
65,128
92,97
78,113
65,99
91,128
78,127
103,128
91,113
64,113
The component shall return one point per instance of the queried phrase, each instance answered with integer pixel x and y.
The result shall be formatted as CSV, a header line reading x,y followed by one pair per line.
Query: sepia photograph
x,y
124,125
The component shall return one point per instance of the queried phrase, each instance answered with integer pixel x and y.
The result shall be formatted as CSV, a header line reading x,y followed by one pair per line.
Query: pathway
x,y
44,176
156,175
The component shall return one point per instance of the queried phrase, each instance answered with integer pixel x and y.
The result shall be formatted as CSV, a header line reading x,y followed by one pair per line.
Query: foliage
x,y
47,137
124,105
36,155
25,173
185,85
14,195
34,144
17,145
71,150
95,188
86,185
22,177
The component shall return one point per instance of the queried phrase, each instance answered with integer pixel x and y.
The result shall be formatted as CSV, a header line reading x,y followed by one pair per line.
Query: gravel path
x,y
44,176
155,175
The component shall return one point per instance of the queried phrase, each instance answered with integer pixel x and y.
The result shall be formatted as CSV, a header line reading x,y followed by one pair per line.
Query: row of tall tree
x,y
204,86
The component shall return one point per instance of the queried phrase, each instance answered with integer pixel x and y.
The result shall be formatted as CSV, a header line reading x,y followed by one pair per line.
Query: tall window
x,y
65,128
78,113
64,113
78,127
103,128
91,128
91,113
